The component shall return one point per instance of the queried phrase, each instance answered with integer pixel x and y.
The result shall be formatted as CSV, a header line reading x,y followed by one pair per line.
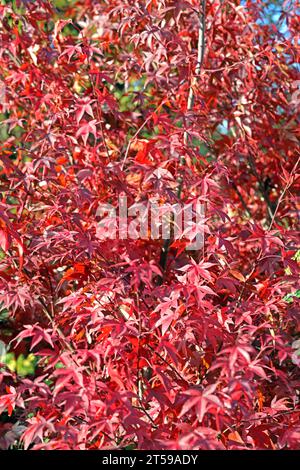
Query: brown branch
x,y
243,202
51,320
262,189
168,364
142,408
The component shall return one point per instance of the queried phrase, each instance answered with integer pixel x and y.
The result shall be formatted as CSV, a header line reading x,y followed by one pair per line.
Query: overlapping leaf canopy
x,y
193,353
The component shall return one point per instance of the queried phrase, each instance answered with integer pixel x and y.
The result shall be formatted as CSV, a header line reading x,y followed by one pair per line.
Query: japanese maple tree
x,y
142,343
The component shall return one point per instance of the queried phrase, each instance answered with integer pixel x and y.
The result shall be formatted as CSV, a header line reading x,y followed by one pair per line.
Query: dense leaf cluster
x,y
128,348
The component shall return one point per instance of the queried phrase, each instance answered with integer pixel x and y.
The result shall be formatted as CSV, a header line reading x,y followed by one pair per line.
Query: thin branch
x,y
287,186
243,202
263,190
260,257
262,418
142,408
200,56
168,364
98,108
190,105
61,335
131,140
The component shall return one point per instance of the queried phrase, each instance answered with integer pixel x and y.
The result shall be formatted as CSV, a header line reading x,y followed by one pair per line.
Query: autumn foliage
x,y
134,349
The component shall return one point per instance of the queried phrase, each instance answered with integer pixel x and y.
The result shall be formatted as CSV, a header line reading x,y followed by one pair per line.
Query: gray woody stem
x,y
200,56
190,105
